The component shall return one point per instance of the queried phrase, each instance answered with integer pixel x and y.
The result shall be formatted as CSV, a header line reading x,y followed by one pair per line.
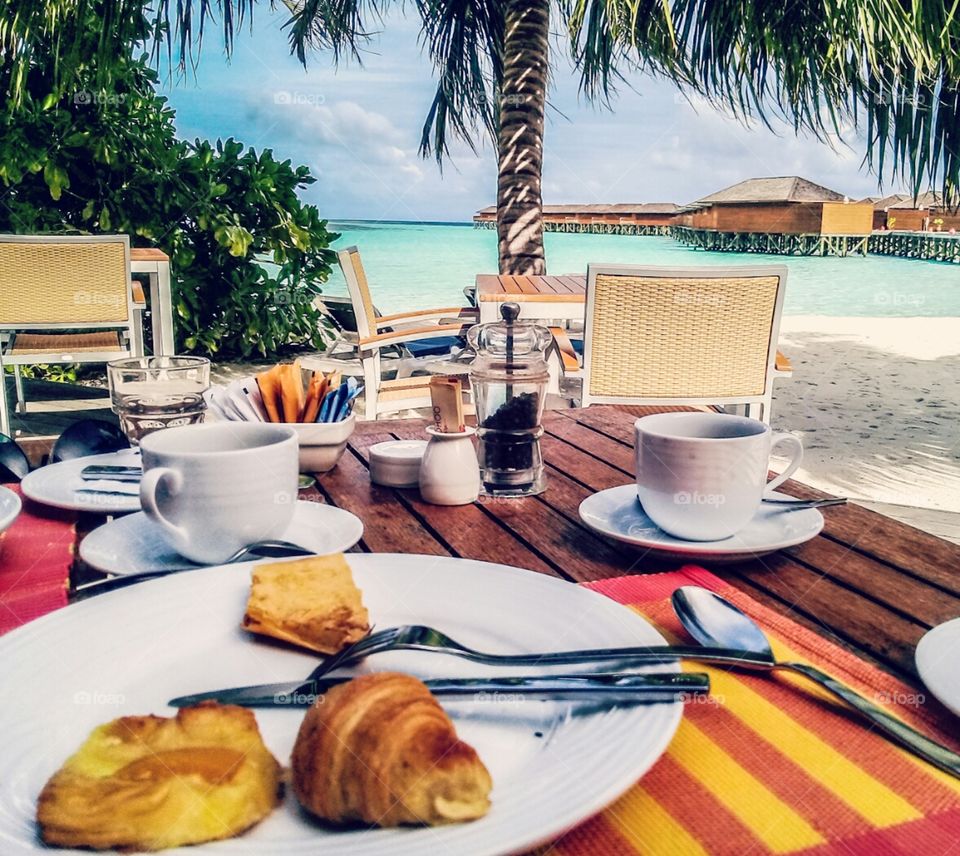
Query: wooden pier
x,y
933,246
594,228
771,243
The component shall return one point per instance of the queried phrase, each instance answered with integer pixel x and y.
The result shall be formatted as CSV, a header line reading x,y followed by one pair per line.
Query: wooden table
x,y
870,583
156,265
540,297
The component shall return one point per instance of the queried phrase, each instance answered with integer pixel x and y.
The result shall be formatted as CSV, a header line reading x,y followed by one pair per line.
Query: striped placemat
x,y
36,553
766,767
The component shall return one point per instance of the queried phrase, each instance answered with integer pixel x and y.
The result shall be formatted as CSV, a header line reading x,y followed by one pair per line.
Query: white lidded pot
x,y
450,471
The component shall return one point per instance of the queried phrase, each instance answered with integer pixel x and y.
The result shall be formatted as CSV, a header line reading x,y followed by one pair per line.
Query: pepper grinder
x,y
509,378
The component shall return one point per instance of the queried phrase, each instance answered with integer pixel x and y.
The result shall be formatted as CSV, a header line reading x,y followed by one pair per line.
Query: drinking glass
x,y
150,393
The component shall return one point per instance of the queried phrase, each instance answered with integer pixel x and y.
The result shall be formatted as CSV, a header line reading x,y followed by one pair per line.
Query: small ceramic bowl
x,y
322,443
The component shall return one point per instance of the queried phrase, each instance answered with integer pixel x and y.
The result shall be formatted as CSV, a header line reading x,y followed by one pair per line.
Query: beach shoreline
x,y
875,401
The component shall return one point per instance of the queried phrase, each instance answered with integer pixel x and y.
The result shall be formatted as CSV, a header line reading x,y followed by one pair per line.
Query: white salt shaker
x,y
450,471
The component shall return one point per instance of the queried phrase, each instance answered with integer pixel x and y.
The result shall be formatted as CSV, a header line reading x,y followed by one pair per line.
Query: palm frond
x,y
464,39
817,64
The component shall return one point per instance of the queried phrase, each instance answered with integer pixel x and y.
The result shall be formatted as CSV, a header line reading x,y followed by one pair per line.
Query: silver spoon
x,y
283,548
711,620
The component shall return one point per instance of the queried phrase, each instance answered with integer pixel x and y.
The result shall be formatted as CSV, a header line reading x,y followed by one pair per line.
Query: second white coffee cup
x,y
217,487
702,476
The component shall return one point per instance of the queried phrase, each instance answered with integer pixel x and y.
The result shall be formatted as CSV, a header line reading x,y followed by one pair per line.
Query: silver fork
x,y
416,637
284,548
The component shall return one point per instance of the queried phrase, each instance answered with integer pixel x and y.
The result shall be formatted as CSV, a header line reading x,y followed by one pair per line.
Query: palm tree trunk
x,y
522,103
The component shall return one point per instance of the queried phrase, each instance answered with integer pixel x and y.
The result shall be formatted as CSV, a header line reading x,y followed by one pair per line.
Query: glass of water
x,y
150,393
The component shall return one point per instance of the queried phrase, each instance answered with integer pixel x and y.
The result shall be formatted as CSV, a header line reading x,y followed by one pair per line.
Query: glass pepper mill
x,y
509,379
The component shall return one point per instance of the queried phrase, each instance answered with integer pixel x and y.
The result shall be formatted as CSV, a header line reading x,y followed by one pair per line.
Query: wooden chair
x,y
65,299
686,336
377,333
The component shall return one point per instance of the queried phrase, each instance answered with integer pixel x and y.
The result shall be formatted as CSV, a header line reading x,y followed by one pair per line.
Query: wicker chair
x,y
690,336
411,331
65,300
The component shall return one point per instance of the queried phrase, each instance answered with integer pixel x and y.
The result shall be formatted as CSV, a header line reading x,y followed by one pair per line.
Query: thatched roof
x,y
623,208
789,188
930,199
882,203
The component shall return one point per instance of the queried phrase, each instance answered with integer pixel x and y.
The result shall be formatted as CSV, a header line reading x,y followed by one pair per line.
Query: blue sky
x,y
358,129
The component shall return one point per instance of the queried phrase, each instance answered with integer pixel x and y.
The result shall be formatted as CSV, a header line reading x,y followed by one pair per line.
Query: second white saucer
x,y
618,514
135,543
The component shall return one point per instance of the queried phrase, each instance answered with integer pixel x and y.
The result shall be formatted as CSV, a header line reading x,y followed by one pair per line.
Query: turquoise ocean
x,y
425,265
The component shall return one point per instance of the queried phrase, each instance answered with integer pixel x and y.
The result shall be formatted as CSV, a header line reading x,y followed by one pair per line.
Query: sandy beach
x,y
876,402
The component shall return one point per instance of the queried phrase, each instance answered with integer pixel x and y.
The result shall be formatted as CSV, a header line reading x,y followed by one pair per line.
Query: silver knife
x,y
95,472
665,687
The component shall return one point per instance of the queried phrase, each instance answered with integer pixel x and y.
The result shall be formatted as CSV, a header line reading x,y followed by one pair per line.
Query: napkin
x,y
36,554
770,765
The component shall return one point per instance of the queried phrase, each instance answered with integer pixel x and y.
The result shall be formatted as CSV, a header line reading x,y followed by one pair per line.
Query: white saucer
x,y
617,514
938,662
58,485
10,506
135,543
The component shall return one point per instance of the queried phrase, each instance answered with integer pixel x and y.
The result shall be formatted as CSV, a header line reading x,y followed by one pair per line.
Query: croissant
x,y
381,750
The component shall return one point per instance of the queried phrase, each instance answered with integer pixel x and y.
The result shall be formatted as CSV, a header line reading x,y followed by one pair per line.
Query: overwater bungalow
x,y
926,212
787,205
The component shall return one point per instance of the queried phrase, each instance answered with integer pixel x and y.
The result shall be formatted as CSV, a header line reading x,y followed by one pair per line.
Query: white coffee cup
x,y
702,476
217,487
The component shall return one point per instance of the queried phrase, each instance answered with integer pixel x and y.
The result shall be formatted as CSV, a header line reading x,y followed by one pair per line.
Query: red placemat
x,y
36,553
773,765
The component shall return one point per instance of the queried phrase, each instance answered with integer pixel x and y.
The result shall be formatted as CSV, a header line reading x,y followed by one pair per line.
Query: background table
x,y
560,298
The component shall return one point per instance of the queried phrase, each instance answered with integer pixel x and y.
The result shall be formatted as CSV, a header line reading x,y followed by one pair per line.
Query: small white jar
x,y
450,471
396,463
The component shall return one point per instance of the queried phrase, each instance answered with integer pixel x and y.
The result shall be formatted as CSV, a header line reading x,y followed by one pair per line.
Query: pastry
x,y
150,782
311,602
381,750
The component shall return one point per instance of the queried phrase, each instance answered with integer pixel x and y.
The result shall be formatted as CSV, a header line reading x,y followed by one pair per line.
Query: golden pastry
x,y
381,750
311,602
150,782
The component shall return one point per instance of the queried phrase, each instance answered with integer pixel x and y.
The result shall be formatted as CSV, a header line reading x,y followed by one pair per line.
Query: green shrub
x,y
100,154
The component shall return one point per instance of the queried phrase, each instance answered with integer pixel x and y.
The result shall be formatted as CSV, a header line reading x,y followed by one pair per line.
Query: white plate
x,y
553,765
57,484
135,543
938,662
10,506
618,514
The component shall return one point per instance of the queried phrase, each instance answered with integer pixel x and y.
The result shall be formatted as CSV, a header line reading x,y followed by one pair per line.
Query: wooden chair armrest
x,y
568,355
398,337
468,314
139,298
782,363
